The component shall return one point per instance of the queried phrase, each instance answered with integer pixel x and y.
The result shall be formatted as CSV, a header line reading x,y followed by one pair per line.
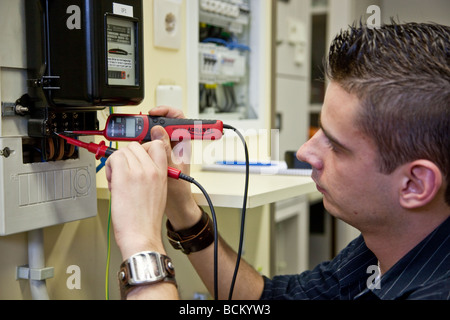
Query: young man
x,y
381,160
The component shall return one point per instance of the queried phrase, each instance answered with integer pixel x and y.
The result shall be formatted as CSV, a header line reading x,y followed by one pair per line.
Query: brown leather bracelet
x,y
194,239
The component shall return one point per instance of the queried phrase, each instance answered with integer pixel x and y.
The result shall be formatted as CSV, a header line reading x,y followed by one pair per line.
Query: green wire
x,y
108,255
108,232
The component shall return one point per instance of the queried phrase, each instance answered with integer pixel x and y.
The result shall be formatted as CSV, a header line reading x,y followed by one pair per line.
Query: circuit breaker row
x,y
220,65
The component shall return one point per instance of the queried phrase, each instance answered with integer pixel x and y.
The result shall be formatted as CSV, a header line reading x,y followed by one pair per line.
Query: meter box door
x,y
88,54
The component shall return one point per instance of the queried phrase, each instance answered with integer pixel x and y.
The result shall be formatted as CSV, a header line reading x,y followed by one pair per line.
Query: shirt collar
x,y
425,263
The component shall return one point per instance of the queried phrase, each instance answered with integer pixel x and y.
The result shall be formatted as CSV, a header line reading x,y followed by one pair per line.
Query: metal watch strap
x,y
194,239
144,268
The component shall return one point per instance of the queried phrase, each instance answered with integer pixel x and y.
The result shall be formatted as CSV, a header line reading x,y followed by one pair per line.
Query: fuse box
x,y
223,57
229,46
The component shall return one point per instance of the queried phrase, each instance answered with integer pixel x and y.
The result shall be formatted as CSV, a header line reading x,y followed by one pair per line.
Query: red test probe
x,y
102,151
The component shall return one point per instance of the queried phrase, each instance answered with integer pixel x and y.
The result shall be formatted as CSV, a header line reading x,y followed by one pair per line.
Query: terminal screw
x,y
5,152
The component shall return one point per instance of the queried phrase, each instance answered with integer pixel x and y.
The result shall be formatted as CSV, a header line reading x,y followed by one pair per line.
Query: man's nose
x,y
310,152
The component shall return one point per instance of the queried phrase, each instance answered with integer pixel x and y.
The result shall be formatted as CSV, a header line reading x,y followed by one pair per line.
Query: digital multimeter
x,y
127,127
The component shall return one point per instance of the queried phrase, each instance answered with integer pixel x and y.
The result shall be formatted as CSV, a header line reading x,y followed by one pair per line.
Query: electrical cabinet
x,y
229,55
39,194
60,62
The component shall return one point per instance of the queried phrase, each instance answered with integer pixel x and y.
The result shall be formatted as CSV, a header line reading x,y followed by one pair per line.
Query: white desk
x,y
227,189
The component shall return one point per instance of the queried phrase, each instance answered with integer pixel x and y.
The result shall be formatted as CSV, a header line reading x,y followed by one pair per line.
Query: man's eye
x,y
331,146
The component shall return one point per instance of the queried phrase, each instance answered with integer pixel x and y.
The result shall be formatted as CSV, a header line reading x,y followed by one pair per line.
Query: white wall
x,y
437,11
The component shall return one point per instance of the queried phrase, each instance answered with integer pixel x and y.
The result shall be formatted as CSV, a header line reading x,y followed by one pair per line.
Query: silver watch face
x,y
145,267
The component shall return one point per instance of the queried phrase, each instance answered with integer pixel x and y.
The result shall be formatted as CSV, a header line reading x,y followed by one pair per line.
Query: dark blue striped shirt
x,y
423,273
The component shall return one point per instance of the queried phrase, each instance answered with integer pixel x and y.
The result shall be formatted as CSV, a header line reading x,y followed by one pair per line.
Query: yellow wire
x,y
108,255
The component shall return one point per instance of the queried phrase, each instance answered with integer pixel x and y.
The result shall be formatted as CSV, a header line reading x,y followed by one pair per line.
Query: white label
x,y
123,10
120,63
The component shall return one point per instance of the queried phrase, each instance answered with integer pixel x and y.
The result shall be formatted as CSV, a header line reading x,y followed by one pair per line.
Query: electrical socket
x,y
167,24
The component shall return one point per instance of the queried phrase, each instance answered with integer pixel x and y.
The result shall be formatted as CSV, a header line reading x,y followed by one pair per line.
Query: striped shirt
x,y
423,273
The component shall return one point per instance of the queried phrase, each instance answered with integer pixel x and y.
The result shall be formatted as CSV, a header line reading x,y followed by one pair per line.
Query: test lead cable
x,y
216,233
244,208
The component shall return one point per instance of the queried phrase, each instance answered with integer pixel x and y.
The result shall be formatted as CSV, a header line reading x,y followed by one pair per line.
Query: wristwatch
x,y
145,268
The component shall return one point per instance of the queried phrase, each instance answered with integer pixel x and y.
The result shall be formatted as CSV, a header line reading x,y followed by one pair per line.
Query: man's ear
x,y
421,181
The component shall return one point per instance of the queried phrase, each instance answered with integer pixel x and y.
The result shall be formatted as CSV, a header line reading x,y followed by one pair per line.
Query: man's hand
x,y
181,210
137,179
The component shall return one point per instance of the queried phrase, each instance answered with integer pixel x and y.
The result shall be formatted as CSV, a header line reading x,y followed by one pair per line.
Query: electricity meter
x,y
85,54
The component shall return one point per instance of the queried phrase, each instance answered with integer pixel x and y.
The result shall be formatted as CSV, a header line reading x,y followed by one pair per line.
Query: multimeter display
x,y
125,127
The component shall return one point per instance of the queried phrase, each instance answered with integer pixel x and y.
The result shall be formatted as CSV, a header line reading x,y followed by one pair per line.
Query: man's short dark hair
x,y
401,74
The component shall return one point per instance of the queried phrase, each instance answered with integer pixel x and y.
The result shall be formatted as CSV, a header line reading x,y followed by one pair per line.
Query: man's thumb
x,y
159,133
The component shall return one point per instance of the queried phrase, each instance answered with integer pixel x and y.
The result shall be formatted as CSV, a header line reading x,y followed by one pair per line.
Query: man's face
x,y
345,166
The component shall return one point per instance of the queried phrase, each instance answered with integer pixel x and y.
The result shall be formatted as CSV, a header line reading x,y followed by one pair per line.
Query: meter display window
x,y
121,52
131,128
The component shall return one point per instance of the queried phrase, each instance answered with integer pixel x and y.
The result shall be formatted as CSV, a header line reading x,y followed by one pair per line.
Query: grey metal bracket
x,y
8,109
24,272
